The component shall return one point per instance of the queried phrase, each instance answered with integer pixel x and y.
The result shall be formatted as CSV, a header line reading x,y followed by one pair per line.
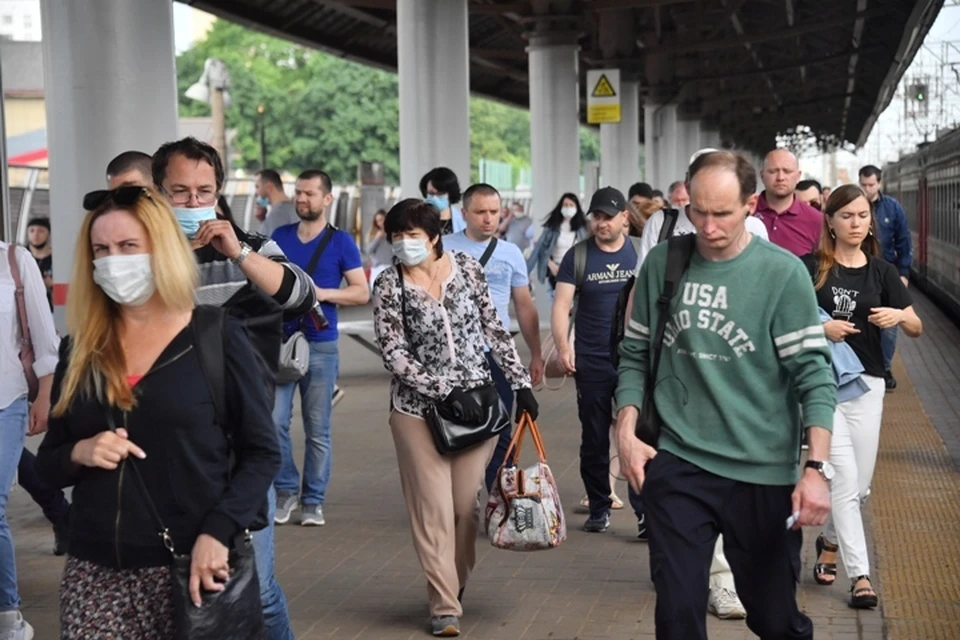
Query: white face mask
x,y
568,212
125,279
411,251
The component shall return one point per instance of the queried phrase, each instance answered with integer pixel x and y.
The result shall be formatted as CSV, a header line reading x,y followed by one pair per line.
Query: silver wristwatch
x,y
245,250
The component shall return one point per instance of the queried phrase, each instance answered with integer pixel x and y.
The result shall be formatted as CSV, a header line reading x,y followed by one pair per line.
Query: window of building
x,y
28,21
7,19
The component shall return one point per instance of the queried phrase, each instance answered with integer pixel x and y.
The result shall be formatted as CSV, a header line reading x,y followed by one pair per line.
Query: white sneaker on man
x,y
14,627
725,604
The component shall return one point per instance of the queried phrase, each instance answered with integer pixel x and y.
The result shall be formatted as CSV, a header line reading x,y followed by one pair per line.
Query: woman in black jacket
x,y
132,354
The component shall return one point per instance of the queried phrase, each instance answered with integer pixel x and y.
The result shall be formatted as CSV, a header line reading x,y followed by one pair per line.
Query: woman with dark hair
x,y
441,188
564,227
434,318
861,295
377,247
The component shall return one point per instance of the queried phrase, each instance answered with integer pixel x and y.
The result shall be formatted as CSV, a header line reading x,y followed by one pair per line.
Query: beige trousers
x,y
441,496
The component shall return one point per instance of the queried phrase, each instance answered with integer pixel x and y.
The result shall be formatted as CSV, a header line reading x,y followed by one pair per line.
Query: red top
x,y
133,380
797,229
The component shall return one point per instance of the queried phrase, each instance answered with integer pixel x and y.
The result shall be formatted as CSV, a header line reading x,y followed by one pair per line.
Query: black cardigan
x,y
188,465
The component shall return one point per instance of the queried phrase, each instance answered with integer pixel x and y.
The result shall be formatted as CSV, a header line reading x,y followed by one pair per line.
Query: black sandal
x,y
821,569
864,597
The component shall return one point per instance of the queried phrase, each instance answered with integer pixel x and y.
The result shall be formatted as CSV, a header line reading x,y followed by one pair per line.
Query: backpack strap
x,y
579,263
669,224
208,335
679,251
485,258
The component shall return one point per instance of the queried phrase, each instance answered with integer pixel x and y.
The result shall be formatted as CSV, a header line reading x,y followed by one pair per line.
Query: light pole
x,y
212,88
261,110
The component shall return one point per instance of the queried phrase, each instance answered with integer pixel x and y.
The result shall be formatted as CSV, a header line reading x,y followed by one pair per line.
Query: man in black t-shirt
x,y
38,240
610,261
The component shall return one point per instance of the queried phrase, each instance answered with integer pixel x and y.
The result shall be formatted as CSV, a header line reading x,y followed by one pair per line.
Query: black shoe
x,y
641,529
890,381
598,523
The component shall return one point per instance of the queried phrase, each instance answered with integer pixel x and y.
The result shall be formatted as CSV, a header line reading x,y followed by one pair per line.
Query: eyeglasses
x,y
182,197
123,196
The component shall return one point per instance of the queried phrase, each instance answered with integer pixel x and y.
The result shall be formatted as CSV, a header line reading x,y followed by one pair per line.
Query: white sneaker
x,y
725,604
14,627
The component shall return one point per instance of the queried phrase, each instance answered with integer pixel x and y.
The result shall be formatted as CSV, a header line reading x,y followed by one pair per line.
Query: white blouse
x,y
13,382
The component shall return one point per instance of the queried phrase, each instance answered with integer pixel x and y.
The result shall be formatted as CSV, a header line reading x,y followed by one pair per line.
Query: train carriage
x,y
927,184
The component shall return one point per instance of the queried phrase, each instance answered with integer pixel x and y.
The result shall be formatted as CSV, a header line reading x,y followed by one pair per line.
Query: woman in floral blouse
x,y
450,320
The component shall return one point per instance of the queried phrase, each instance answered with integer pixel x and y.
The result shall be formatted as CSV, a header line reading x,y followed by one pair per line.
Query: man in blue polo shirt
x,y
894,235
506,272
328,256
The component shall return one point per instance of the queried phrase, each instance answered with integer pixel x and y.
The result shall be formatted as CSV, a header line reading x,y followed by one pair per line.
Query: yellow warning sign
x,y
603,96
604,89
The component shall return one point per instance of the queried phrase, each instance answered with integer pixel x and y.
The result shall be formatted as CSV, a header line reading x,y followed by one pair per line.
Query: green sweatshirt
x,y
743,348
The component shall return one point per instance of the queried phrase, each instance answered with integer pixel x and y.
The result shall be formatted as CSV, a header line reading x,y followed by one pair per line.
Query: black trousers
x,y
503,441
687,508
50,499
596,386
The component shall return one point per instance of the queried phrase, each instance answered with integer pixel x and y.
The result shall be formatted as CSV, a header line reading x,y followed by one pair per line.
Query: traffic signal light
x,y
918,91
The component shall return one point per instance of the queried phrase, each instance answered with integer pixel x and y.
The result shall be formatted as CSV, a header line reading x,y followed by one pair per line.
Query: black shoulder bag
x,y
235,612
450,433
679,250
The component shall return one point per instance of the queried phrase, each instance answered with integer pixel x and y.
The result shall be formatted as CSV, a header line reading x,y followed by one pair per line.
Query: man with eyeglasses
x,y
249,275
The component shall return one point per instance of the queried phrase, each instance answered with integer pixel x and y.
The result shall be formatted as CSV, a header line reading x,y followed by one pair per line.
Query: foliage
x,y
320,110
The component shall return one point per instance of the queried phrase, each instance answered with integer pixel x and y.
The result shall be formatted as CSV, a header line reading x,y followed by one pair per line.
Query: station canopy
x,y
754,68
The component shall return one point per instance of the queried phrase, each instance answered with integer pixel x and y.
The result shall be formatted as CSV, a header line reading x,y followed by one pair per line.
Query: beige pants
x,y
441,496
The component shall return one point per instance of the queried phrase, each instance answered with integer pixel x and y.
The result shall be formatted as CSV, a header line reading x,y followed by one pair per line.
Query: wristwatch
x,y
245,250
825,468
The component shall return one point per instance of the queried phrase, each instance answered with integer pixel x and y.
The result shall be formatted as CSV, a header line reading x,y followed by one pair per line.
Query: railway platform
x,y
358,576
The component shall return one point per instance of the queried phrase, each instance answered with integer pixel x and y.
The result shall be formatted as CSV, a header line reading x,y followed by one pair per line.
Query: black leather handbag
x,y
236,612
450,433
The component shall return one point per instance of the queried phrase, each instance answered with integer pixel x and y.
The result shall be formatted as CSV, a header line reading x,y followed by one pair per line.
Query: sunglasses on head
x,y
123,196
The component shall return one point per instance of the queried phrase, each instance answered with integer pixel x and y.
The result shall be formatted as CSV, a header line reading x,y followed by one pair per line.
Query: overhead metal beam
x,y
845,55
708,45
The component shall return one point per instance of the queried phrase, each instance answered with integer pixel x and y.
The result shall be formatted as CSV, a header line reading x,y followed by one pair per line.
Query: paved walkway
x,y
359,576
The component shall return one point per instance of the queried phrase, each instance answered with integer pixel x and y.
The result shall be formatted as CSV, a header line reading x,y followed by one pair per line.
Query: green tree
x,y
321,110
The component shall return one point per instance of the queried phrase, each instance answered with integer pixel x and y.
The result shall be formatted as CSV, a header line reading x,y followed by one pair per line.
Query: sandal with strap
x,y
864,597
823,569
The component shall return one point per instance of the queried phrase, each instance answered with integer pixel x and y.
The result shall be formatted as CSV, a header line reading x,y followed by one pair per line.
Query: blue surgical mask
x,y
411,251
440,202
263,201
190,219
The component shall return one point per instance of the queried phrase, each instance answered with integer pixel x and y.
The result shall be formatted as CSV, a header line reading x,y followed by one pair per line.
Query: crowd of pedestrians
x,y
167,404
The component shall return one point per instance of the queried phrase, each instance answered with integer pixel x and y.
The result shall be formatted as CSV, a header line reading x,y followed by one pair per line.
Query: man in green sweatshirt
x,y
743,347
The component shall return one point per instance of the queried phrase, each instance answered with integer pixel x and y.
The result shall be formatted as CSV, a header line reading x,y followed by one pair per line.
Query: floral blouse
x,y
447,338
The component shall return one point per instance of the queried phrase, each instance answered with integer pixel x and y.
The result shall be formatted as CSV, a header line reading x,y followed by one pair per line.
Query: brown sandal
x,y
864,597
823,569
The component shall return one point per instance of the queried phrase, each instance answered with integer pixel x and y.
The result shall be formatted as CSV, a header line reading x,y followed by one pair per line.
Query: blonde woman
x,y
131,354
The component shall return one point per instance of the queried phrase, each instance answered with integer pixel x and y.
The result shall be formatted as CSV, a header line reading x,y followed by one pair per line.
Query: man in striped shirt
x,y
248,274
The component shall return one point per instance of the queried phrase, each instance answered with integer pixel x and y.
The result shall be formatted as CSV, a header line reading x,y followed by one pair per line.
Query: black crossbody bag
x,y
450,433
235,612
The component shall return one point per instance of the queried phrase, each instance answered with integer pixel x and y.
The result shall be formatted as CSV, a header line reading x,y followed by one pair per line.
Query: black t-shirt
x,y
849,294
46,270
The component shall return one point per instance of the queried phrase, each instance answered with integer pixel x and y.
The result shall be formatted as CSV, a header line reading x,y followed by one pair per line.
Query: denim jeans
x,y
888,343
271,595
13,430
50,499
316,402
